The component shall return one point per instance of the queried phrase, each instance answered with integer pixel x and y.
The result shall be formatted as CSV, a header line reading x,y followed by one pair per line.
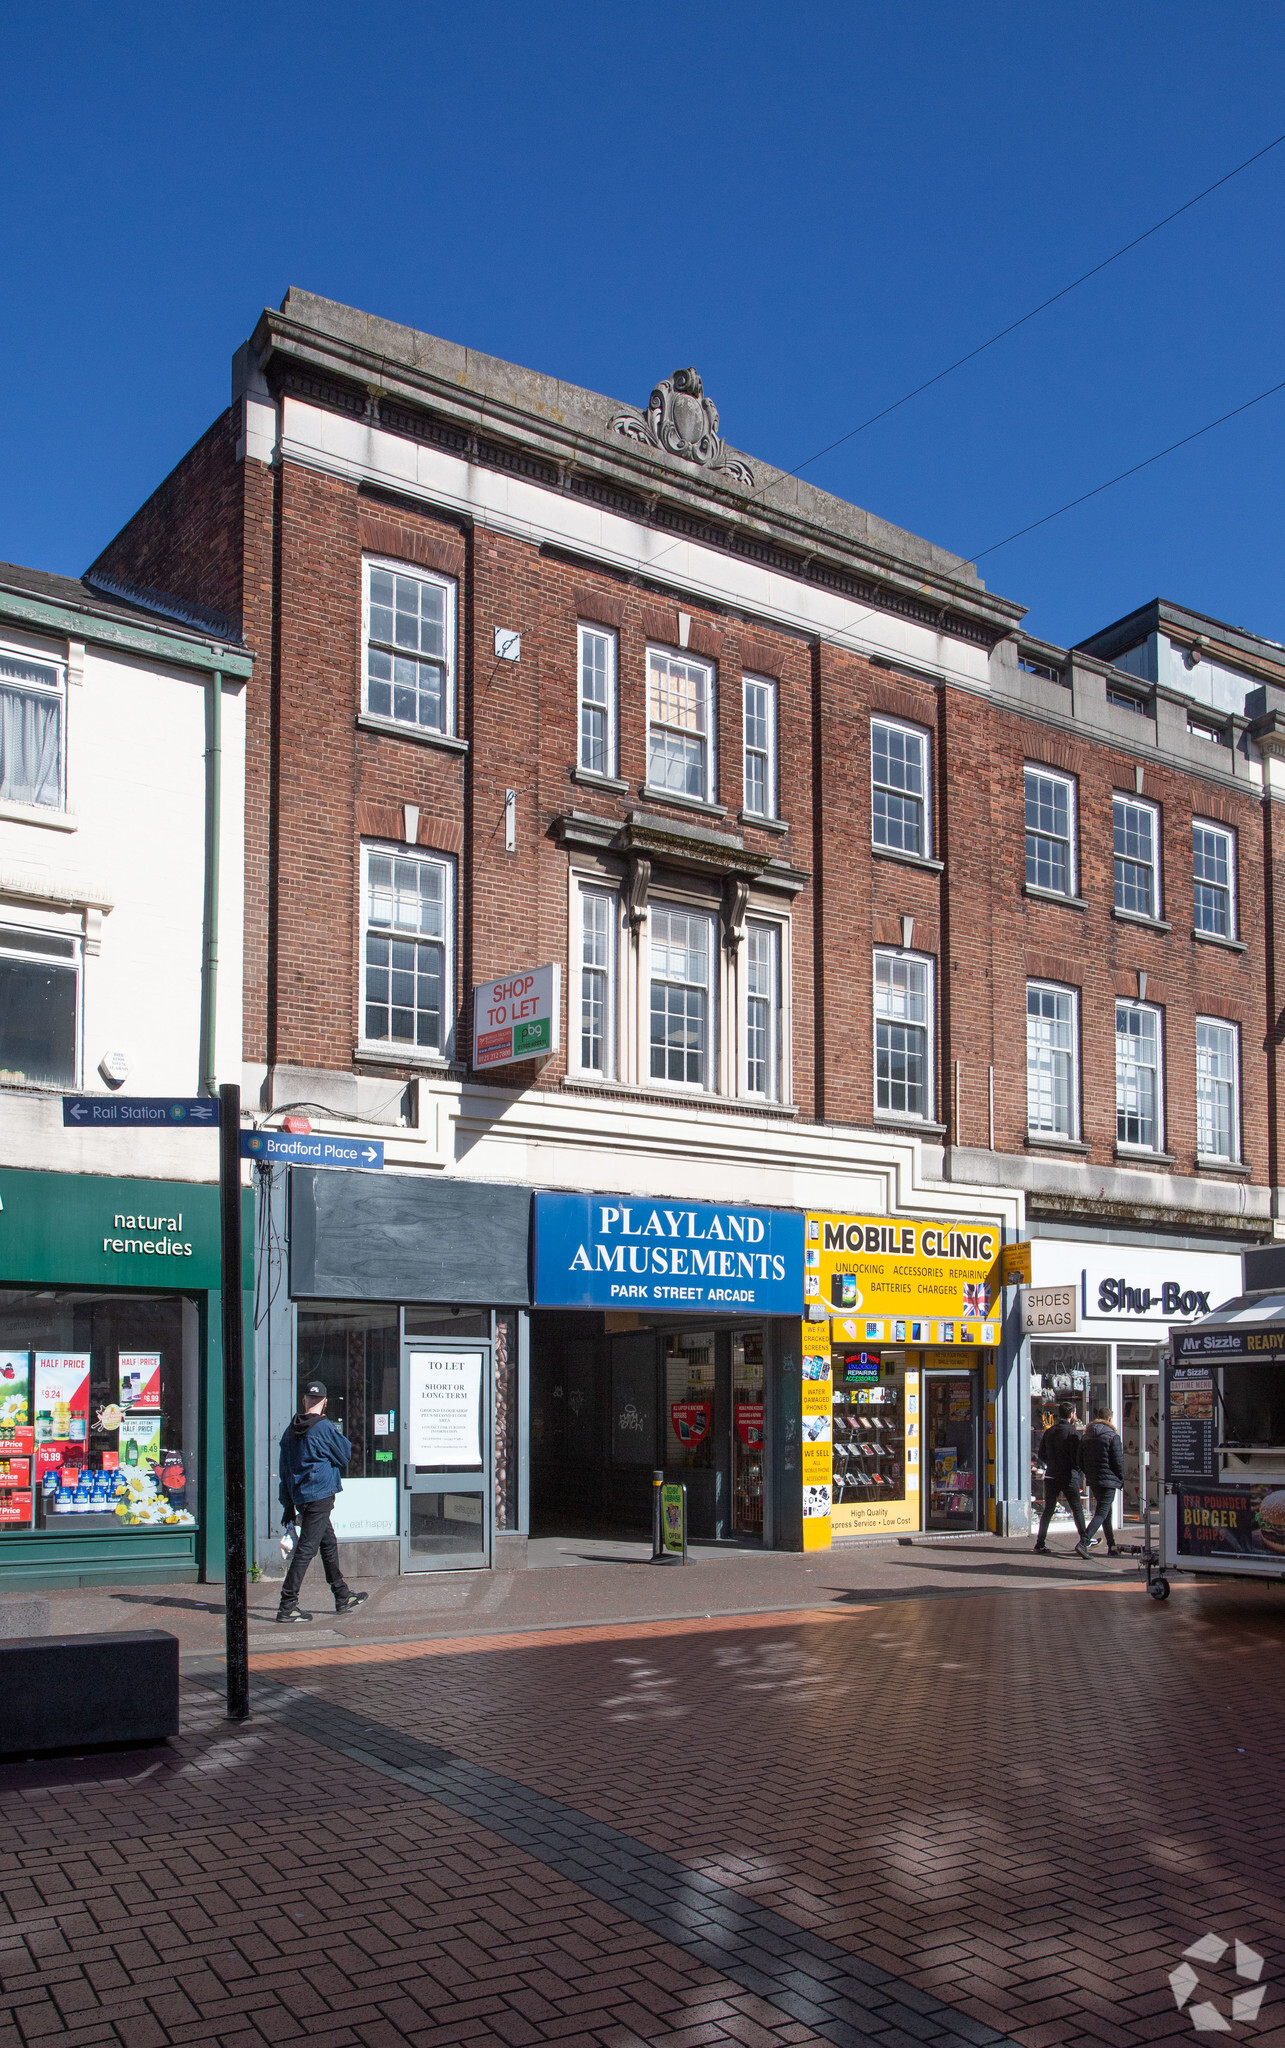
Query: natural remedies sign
x,y
626,1251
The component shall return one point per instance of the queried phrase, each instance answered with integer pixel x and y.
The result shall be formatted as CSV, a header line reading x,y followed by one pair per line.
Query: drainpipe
x,y
213,817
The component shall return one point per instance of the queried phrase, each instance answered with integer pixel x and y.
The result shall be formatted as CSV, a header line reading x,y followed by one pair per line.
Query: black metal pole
x,y
235,1569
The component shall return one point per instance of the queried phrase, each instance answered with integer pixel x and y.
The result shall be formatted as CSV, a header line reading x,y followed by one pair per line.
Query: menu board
x,y
1247,1521
1189,1428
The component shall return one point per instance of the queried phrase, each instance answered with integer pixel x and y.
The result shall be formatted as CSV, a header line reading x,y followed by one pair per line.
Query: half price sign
x,y
516,1017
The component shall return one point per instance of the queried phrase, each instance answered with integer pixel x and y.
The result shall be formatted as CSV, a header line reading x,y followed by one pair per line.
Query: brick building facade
x,y
862,899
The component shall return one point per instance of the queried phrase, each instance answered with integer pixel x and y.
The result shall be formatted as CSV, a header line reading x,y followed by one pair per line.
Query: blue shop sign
x,y
625,1251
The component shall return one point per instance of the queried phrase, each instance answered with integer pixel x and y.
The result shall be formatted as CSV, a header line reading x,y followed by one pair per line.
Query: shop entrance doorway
x,y
951,1480
1140,1437
445,1516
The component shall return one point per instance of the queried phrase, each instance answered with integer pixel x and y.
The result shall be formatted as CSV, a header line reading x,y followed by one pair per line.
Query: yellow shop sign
x,y
908,1281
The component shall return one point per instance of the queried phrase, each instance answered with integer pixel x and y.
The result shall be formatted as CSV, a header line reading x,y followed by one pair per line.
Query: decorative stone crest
x,y
681,420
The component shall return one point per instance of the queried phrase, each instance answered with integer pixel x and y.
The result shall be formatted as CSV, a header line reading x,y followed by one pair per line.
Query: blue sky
x,y
818,205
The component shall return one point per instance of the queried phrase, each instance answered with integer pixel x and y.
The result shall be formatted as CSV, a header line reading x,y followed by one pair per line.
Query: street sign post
x,y
235,1597
285,1148
140,1112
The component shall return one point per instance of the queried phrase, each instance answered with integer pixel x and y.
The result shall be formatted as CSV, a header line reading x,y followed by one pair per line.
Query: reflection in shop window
x,y
747,1432
689,1398
355,1353
506,1420
99,1408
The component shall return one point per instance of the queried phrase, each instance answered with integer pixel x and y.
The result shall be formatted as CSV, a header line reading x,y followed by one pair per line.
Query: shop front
x,y
659,1341
1128,1297
407,1299
111,1427
901,1343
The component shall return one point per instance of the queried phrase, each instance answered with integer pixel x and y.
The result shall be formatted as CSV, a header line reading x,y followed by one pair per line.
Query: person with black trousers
x,y
314,1456
1102,1462
1059,1454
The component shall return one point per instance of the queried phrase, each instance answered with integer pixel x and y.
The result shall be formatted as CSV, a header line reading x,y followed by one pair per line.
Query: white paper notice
x,y
445,1409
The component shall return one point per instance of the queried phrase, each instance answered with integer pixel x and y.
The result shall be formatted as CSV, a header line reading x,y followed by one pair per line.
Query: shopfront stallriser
x,y
153,1557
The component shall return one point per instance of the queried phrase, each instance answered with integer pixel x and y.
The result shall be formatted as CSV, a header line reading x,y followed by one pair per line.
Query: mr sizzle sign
x,y
516,1017
620,1251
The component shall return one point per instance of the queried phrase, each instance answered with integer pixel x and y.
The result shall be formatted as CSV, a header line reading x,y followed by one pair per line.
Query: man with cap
x,y
314,1455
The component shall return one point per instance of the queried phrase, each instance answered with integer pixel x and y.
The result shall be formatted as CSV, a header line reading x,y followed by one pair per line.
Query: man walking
x,y
1102,1461
314,1455
1059,1454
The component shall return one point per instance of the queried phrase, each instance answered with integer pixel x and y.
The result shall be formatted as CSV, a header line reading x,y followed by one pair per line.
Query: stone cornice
x,y
693,849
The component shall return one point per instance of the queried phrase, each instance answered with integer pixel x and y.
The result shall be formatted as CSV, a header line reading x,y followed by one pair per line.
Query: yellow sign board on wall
x,y
905,1280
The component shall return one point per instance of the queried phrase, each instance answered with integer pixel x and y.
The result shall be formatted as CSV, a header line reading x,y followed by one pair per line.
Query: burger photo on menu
x,y
1270,1516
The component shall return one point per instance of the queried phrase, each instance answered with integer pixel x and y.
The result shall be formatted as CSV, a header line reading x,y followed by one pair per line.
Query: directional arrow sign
x,y
278,1148
140,1112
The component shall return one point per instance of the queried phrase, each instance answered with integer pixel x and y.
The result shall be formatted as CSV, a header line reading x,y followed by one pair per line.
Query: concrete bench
x,y
73,1692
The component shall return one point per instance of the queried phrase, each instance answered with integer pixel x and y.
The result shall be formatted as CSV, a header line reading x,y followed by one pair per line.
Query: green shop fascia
x,y
111,1379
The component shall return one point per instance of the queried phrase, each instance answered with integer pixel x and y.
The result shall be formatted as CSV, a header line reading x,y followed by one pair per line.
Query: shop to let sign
x,y
445,1409
516,1017
624,1251
905,1280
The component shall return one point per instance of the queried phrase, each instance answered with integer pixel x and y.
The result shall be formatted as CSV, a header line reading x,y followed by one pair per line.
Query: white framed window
x,y
683,946
1138,1091
1217,1089
1050,832
760,746
599,918
40,1008
761,955
597,656
1052,1060
1214,864
33,710
407,977
903,1005
408,646
899,775
680,724
1136,845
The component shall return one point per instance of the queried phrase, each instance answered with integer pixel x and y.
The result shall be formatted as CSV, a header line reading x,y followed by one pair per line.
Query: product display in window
x,y
96,1432
869,1428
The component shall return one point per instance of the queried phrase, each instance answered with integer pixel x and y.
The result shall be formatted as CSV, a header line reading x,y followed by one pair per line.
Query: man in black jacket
x,y
1102,1461
314,1456
1059,1454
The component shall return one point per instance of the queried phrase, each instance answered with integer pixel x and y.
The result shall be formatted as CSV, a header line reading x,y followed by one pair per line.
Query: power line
x,y
1043,307
1098,489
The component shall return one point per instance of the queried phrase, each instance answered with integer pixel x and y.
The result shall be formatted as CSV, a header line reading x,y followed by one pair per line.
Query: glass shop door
x,y
1139,1427
445,1455
747,1433
952,1494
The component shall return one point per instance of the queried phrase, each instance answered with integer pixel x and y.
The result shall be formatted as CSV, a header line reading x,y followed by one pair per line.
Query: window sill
x,y
39,814
756,818
1142,1155
909,860
403,1056
1038,895
592,780
1148,924
1238,1166
1044,1141
685,803
418,735
657,1091
1216,939
888,1120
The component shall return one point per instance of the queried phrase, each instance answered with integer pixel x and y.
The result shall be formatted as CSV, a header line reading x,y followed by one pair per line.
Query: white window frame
x,y
1050,1134
1231,1157
711,1085
586,888
1157,1143
707,668
54,692
1136,803
1226,833
1067,783
772,928
585,631
450,587
924,800
406,1052
27,938
765,753
894,954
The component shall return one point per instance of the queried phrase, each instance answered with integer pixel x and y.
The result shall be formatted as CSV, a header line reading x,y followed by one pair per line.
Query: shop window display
x,y
689,1399
747,1431
1078,1373
99,1405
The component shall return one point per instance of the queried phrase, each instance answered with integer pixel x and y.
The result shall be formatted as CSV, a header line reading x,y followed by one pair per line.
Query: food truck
x,y
1223,1437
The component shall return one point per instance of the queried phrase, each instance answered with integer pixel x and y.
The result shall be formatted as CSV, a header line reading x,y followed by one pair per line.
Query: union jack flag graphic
x,y
977,1299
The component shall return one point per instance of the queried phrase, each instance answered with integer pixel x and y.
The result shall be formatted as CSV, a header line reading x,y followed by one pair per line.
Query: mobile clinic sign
x,y
625,1251
516,1017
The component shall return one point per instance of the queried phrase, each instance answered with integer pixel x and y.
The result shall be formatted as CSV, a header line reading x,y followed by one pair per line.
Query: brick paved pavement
x,y
997,1815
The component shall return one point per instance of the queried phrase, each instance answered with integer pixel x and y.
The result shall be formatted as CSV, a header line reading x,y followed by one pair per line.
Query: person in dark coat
x,y
1102,1462
1059,1454
314,1456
